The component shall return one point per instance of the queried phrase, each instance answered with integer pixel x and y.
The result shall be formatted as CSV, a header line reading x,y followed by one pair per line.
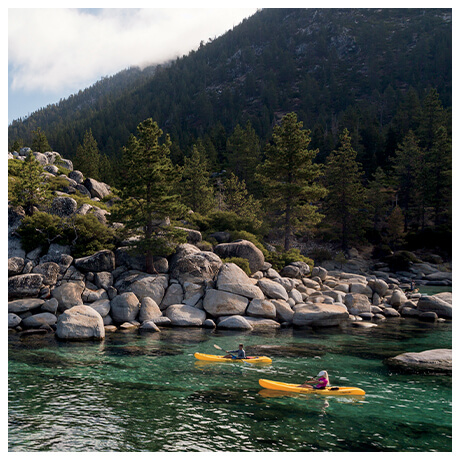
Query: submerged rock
x,y
438,361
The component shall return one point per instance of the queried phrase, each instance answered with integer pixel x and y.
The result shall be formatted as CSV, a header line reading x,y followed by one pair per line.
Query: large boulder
x,y
262,323
40,319
320,272
97,189
149,310
13,320
261,308
232,278
284,312
185,315
244,249
320,314
27,285
297,269
80,322
193,236
63,206
435,304
153,286
49,271
397,298
192,293
438,361
68,294
272,289
101,261
173,295
124,307
101,306
221,303
130,258
15,265
361,288
357,303
236,322
379,286
189,264
23,305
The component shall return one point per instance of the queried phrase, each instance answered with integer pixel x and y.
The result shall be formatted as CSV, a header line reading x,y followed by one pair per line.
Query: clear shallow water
x,y
144,392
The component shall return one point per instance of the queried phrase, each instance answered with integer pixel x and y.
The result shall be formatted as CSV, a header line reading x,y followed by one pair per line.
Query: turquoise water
x,y
136,392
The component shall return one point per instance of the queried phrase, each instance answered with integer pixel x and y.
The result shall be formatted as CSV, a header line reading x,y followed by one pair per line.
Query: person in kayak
x,y
240,353
319,383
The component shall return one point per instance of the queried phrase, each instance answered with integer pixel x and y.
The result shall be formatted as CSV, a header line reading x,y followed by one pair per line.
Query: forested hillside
x,y
372,88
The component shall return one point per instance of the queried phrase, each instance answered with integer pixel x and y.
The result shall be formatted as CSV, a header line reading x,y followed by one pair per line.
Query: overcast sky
x,y
55,52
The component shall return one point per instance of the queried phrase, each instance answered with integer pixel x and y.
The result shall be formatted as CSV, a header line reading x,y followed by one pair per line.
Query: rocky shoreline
x,y
90,296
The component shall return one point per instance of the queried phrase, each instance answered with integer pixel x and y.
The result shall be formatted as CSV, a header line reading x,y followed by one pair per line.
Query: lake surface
x,y
146,392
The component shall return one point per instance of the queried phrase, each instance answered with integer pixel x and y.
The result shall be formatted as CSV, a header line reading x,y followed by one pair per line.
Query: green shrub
x,y
281,259
41,229
242,263
204,246
222,221
85,234
401,260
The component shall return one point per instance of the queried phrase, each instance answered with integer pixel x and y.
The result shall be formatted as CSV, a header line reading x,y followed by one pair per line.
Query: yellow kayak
x,y
294,388
221,359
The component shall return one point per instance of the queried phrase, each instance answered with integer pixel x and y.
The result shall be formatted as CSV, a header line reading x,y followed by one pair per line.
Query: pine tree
x,y
408,164
29,189
87,158
148,184
238,200
243,154
395,228
345,200
439,159
198,192
290,179
379,195
40,142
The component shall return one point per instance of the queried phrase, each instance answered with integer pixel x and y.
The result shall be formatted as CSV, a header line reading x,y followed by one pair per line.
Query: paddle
x,y
219,348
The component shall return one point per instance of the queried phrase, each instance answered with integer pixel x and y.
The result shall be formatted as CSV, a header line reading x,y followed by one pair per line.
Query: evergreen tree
x,y
29,189
238,200
439,159
198,192
345,200
40,142
290,179
432,116
87,158
408,164
148,184
379,195
243,154
395,228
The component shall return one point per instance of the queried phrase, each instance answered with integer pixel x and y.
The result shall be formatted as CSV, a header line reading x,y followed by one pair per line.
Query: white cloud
x,y
58,49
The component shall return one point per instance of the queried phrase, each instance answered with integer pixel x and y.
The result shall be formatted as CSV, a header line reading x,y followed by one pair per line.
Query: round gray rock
x,y
124,307
80,322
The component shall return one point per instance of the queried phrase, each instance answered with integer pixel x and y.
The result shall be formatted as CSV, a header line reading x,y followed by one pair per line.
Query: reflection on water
x,y
139,392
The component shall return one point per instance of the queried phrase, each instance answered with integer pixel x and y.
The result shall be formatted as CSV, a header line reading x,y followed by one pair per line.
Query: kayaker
x,y
240,353
319,382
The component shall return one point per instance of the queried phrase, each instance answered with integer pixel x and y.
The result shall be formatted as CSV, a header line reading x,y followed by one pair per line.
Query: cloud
x,y
58,49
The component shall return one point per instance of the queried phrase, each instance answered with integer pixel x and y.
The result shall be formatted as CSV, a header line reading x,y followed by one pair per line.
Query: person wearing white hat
x,y
319,382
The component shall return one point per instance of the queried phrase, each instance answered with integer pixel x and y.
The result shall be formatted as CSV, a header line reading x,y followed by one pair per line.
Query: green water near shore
x,y
146,392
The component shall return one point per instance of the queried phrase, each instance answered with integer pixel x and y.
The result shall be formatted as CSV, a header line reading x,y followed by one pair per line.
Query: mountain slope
x,y
334,67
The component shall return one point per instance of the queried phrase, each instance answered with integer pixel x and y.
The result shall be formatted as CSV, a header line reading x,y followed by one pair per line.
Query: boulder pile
x,y
89,296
